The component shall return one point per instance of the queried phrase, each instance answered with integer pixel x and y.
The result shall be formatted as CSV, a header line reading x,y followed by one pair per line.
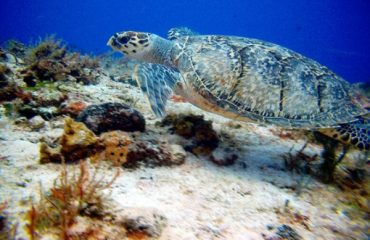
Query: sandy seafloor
x,y
199,199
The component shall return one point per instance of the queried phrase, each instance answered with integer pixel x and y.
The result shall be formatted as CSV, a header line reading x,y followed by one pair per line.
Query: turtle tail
x,y
356,133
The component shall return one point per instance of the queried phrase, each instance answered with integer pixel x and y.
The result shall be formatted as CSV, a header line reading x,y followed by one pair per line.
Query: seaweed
x,y
50,60
299,162
47,48
78,195
15,48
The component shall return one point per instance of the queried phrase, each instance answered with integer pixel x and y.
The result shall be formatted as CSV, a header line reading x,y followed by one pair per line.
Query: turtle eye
x,y
123,40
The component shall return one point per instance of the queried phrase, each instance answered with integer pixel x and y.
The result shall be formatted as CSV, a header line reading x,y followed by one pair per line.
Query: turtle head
x,y
142,46
132,44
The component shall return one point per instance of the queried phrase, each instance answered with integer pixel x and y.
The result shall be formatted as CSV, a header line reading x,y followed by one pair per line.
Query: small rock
x,y
270,227
37,122
147,223
49,97
146,149
2,223
178,154
20,120
48,112
112,116
73,108
21,184
222,157
288,233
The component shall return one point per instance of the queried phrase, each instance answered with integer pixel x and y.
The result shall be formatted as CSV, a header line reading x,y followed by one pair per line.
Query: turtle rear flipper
x,y
157,83
355,133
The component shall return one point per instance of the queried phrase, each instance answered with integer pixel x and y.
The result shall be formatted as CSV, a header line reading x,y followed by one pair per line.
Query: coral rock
x,y
150,151
193,127
77,142
8,89
48,97
112,116
222,157
144,223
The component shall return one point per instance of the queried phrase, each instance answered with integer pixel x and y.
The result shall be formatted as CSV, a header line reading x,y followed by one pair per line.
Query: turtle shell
x,y
263,82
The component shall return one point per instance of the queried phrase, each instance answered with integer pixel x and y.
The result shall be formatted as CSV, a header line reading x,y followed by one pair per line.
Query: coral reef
x,y
45,101
77,142
38,81
204,138
112,116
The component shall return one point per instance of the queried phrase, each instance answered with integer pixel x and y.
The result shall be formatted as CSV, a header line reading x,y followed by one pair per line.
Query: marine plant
x,y
73,198
299,162
302,164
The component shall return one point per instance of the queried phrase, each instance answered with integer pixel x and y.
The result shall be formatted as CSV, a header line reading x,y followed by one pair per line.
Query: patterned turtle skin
x,y
245,79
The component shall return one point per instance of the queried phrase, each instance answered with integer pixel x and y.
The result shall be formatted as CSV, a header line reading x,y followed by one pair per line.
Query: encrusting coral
x,y
115,147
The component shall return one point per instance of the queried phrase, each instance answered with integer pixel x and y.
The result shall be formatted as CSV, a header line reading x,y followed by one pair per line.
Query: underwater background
x,y
336,33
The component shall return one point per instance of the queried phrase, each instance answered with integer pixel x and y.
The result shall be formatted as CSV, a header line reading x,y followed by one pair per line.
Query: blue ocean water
x,y
336,33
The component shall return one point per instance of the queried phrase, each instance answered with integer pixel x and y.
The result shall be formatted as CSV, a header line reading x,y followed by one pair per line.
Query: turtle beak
x,y
110,41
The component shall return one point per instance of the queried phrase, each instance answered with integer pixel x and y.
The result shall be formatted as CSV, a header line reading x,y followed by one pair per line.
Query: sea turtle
x,y
245,79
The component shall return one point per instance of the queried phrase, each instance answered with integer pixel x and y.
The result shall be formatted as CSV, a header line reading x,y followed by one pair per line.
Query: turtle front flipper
x,y
157,83
355,133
